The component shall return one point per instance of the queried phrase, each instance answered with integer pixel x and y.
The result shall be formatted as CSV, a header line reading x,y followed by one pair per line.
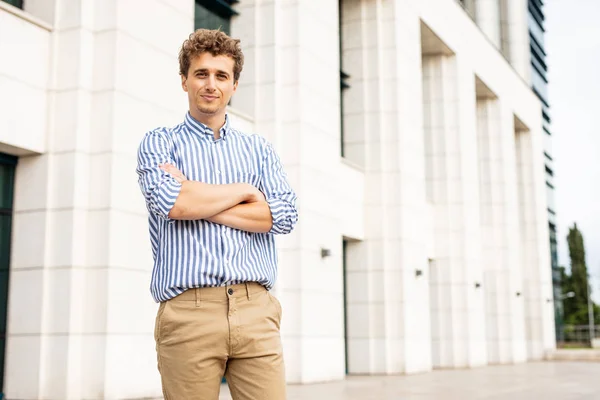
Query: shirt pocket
x,y
247,177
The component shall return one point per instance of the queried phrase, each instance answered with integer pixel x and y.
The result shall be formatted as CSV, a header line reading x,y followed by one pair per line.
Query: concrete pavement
x,y
531,381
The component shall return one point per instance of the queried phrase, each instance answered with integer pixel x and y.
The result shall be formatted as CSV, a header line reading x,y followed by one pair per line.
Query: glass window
x,y
550,196
537,14
539,84
551,216
16,3
547,143
536,30
7,175
214,14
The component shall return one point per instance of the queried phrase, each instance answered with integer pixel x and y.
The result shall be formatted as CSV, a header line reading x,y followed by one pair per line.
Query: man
x,y
216,197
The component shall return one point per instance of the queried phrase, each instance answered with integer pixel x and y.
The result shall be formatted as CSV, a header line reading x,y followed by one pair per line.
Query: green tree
x,y
576,308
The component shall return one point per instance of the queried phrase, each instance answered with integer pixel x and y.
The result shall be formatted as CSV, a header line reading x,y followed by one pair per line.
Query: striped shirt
x,y
198,253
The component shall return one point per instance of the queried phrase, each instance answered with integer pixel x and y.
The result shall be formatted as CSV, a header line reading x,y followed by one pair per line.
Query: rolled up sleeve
x,y
279,194
160,190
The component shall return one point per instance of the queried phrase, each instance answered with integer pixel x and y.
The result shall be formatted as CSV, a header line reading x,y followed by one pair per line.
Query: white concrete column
x,y
130,52
45,357
362,133
487,16
453,188
85,284
503,287
291,88
490,185
383,115
537,284
469,208
512,234
405,194
515,36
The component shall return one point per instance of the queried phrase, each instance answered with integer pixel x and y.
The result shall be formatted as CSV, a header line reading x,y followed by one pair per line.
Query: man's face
x,y
209,84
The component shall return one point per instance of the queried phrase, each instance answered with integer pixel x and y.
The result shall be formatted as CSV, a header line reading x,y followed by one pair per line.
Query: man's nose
x,y
211,83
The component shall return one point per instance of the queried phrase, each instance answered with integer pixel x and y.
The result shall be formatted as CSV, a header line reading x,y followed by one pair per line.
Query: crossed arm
x,y
171,196
237,205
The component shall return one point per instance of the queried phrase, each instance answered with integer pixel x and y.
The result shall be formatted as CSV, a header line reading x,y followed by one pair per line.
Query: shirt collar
x,y
201,129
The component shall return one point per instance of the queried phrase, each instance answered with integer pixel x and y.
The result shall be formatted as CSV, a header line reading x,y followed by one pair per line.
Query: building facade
x,y
408,128
539,84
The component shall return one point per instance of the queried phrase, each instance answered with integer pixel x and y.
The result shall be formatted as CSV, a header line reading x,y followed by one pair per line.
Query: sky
x,y
573,49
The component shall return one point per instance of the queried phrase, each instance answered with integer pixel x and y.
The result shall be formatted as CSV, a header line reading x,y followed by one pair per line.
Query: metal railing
x,y
579,334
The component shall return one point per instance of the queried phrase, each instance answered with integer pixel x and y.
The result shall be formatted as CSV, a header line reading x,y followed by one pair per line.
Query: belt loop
x,y
197,293
248,290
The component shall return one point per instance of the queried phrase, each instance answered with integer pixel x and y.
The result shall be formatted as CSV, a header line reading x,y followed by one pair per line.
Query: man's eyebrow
x,y
206,70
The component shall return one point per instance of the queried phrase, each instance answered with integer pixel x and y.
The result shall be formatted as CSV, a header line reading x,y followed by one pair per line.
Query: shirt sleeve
x,y
279,194
159,188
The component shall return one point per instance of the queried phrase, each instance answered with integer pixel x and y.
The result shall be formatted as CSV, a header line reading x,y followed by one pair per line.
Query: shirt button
x,y
218,172
230,291
227,261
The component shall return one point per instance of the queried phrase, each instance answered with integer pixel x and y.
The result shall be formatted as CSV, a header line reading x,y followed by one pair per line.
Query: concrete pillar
x,y
384,121
487,16
515,36
453,189
513,244
537,278
83,283
409,247
502,269
290,87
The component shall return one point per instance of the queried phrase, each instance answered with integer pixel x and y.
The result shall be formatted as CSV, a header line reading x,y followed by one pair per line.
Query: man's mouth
x,y
209,97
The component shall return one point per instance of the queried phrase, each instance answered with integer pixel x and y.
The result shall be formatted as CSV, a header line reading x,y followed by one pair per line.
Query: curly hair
x,y
214,42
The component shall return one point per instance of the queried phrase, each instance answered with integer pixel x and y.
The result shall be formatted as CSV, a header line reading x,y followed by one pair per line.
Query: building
x,y
539,84
408,128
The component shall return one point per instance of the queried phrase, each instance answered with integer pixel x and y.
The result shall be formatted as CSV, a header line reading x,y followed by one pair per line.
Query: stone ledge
x,y
573,355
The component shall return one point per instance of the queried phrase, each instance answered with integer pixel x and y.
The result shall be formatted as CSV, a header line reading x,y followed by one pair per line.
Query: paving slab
x,y
530,381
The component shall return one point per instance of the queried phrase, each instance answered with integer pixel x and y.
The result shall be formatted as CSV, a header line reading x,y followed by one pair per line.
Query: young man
x,y
216,197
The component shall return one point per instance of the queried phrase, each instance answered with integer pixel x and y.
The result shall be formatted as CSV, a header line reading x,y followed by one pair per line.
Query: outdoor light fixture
x,y
477,285
518,294
418,272
325,253
567,295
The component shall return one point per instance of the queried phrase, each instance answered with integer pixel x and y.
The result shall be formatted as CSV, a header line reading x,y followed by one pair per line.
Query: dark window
x,y
16,3
537,45
537,69
7,176
538,60
535,6
214,14
538,92
537,15
343,78
546,116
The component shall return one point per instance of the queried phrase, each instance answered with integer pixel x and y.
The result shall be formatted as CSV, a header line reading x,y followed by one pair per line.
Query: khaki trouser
x,y
206,333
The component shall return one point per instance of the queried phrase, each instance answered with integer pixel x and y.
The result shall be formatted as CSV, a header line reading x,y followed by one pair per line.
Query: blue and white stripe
x,y
199,253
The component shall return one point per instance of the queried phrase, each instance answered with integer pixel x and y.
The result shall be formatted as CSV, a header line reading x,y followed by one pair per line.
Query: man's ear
x,y
235,85
184,83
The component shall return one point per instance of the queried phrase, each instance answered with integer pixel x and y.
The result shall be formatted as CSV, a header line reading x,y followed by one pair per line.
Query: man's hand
x,y
253,195
254,216
174,172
